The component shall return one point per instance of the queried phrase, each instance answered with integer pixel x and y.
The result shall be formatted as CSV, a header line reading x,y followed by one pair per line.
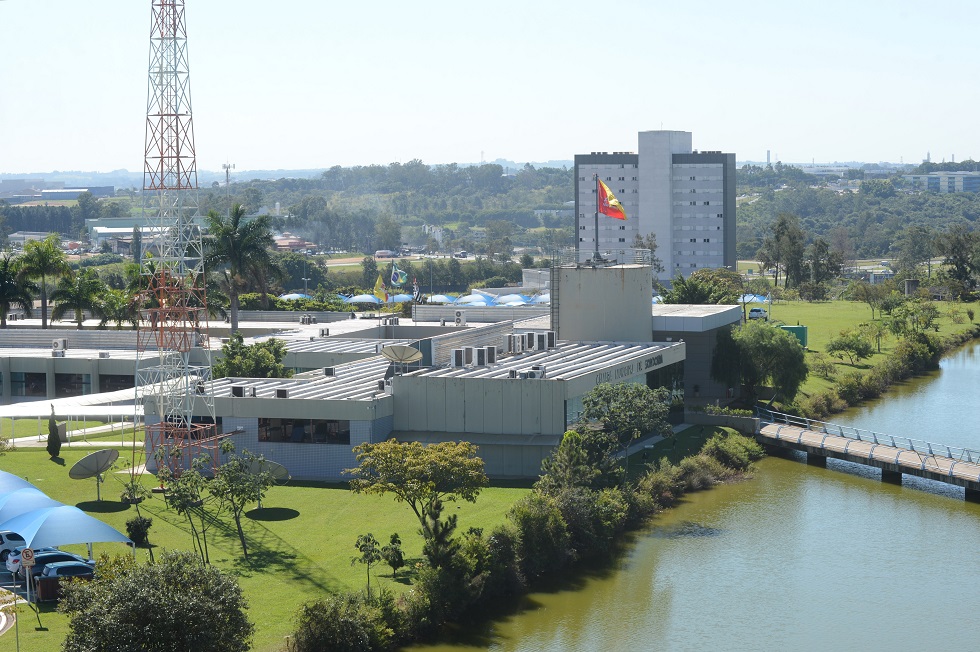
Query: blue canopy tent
x,y
441,298
509,299
399,298
60,526
753,298
474,299
293,296
363,298
542,298
24,500
10,482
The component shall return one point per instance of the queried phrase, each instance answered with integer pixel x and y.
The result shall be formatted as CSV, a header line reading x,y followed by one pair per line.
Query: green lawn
x,y
301,542
34,427
826,319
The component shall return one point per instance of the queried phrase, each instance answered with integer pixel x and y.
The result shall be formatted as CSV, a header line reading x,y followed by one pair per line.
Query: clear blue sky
x,y
308,83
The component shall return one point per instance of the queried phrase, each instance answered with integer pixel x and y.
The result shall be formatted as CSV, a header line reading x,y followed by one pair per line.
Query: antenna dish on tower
x,y
401,354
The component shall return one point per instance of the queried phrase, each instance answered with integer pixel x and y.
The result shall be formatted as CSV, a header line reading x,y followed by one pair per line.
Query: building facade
x,y
683,197
945,182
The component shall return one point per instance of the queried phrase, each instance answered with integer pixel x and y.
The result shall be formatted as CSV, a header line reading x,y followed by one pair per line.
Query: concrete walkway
x,y
76,438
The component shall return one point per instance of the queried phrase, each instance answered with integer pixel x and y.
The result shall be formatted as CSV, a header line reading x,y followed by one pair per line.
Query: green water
x,y
798,558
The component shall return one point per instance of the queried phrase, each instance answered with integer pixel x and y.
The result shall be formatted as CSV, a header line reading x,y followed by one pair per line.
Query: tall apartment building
x,y
685,198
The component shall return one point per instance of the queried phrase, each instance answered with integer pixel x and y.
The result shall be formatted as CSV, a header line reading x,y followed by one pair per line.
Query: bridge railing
x,y
920,446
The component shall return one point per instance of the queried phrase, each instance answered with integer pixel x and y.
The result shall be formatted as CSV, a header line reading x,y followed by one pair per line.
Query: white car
x,y
8,541
758,313
13,559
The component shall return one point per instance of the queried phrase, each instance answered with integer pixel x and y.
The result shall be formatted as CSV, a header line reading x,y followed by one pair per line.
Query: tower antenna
x,y
178,405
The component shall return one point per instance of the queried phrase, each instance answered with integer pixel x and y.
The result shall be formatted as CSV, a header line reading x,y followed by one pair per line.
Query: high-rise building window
x,y
694,190
707,203
694,178
694,203
622,239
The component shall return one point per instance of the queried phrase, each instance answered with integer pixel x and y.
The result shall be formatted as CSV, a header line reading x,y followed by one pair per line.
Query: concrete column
x,y
891,477
49,377
7,380
94,376
812,459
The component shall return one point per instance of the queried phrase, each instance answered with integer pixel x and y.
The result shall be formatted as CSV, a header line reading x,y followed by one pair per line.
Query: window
x,y
622,178
622,228
694,203
634,178
622,239
305,431
693,190
581,239
608,178
706,240
582,228
720,215
693,240
694,178
707,203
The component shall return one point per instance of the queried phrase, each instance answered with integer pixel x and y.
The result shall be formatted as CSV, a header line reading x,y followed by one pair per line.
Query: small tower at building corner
x,y
173,374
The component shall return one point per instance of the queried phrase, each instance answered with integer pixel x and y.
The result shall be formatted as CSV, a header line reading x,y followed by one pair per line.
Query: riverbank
x,y
833,386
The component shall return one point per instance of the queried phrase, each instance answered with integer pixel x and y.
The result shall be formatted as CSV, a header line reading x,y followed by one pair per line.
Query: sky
x,y
290,84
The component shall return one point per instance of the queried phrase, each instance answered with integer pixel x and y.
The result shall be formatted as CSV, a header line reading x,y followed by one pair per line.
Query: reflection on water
x,y
798,558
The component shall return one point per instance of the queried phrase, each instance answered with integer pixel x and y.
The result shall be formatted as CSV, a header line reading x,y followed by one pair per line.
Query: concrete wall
x,y
610,304
656,149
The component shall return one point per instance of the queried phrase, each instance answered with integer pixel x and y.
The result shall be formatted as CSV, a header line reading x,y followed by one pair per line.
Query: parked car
x,y
8,541
758,313
42,559
47,585
13,559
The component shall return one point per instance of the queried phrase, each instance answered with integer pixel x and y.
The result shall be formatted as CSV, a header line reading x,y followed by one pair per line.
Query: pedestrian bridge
x,y
895,456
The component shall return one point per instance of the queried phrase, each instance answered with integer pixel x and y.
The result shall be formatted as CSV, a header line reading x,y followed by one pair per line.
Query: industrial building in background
x,y
173,373
683,197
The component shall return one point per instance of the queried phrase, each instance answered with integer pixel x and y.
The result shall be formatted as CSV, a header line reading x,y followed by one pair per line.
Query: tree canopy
x,y
177,603
757,353
259,360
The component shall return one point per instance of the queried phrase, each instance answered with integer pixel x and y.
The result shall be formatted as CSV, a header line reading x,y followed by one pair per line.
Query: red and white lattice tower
x,y
173,375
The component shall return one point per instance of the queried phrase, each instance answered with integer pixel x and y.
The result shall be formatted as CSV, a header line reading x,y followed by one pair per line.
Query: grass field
x,y
825,320
301,542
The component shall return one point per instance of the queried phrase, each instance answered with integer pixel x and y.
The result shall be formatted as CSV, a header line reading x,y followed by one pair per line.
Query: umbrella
x,y
10,482
23,500
294,296
657,299
514,304
542,298
752,298
441,298
399,298
59,526
507,299
363,298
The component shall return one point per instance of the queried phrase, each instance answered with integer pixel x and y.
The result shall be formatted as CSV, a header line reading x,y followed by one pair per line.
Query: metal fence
x,y
920,446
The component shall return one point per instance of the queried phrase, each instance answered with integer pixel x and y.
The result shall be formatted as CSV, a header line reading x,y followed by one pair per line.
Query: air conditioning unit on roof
x,y
459,318
60,344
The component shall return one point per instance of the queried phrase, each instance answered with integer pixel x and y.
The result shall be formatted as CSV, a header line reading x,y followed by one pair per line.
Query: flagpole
x,y
596,178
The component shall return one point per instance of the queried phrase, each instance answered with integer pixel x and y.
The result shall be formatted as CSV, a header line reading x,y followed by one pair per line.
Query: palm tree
x,y
84,291
244,247
14,291
119,306
44,259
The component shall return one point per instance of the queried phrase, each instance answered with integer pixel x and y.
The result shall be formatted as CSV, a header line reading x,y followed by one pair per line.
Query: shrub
x,y
663,483
733,450
138,529
822,366
341,622
701,472
821,404
542,535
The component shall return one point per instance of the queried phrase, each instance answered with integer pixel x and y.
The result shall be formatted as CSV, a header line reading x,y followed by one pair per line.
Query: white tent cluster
x,y
43,521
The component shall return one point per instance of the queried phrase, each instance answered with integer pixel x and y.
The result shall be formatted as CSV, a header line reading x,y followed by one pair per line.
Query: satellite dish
x,y
278,471
401,354
93,464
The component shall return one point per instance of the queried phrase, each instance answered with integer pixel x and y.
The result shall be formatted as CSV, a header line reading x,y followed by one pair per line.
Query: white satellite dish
x,y
401,354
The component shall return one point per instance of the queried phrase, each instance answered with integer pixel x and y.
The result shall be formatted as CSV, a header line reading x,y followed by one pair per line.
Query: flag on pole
x,y
608,204
380,291
416,292
398,277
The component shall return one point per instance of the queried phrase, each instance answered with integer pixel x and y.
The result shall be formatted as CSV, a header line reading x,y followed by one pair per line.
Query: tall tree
x,y
961,247
78,293
757,353
44,260
14,290
243,248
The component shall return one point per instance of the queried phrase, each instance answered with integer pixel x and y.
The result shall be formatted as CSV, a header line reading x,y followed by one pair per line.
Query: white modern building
x,y
684,197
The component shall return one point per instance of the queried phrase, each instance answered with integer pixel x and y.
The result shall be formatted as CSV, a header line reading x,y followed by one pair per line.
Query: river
x,y
798,558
